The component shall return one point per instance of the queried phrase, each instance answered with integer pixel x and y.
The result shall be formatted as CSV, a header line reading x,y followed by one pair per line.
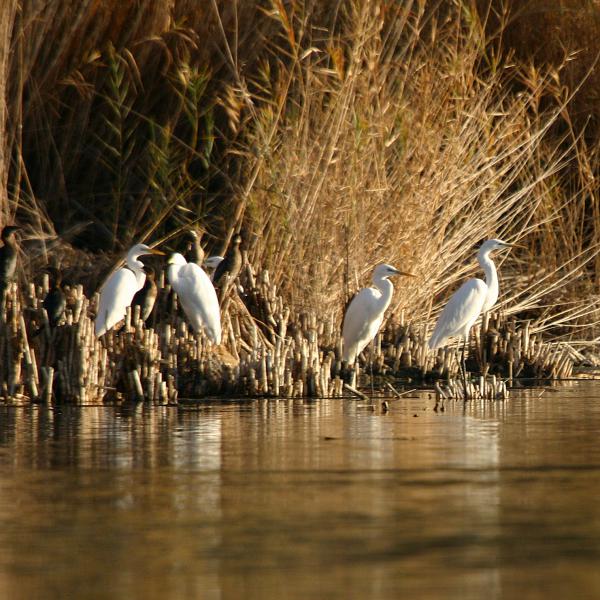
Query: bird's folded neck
x,y
386,288
489,268
491,280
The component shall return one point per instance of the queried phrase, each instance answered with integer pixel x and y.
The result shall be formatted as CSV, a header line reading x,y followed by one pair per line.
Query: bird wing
x,y
461,312
231,264
145,298
199,300
116,295
361,322
8,263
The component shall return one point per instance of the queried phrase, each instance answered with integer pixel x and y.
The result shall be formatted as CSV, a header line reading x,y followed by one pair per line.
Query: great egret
x,y
197,296
118,290
364,314
8,262
466,304
231,263
194,251
146,297
472,298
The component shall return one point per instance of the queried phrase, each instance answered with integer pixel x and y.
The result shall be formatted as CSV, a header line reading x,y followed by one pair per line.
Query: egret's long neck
x,y
386,288
137,266
133,263
491,279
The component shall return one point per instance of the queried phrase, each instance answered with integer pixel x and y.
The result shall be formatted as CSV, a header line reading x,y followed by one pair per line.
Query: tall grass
x,y
400,139
335,135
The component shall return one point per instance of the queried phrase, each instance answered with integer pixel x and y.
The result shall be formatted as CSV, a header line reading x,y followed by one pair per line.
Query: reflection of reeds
x,y
267,350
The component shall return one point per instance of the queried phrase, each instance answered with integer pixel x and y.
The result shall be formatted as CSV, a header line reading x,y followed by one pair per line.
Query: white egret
x,y
197,296
364,314
472,298
118,290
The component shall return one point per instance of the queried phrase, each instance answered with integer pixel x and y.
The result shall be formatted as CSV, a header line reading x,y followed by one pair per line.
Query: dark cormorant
x,y
232,263
55,301
8,262
193,251
146,297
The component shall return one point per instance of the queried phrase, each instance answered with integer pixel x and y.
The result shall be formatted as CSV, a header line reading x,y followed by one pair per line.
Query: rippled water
x,y
291,499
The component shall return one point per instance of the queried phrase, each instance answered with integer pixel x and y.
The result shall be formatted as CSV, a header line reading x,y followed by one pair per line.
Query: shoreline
x,y
266,352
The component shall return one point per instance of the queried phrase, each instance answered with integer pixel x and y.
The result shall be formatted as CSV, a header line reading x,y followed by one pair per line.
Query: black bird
x,y
8,262
232,263
194,252
55,302
146,297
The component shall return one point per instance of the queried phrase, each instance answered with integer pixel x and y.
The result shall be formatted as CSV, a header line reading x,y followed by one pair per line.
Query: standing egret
x,y
146,296
472,298
364,314
231,264
8,262
197,296
118,290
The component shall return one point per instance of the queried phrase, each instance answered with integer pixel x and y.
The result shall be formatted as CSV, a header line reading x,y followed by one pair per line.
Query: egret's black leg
x,y
371,368
464,368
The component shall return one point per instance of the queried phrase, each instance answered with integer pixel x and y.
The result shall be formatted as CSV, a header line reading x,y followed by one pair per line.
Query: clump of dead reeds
x,y
268,350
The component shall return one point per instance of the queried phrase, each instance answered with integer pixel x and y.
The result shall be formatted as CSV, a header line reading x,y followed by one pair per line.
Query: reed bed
x,y
267,350
334,136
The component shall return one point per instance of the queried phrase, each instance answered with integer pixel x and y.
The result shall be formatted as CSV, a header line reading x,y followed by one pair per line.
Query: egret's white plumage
x,y
197,296
118,290
211,263
472,298
364,314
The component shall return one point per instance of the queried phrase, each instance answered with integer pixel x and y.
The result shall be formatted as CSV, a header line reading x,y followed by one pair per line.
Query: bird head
x,y
143,250
192,236
495,244
237,239
384,271
9,231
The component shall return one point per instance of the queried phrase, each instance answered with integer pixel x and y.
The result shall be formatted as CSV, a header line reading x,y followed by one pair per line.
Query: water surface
x,y
293,499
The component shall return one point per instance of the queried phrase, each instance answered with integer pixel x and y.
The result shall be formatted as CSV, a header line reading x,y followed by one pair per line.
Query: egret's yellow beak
x,y
155,251
405,273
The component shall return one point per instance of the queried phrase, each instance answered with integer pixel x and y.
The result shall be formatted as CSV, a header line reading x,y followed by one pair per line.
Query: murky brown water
x,y
303,500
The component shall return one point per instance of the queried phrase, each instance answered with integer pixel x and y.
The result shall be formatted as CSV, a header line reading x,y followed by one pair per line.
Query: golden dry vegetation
x,y
335,135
